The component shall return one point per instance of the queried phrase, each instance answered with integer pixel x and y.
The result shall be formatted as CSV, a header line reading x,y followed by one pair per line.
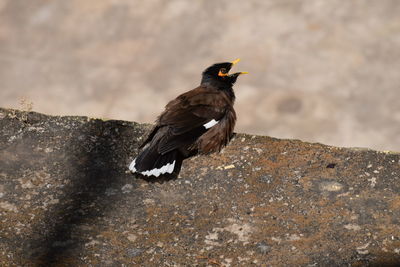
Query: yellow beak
x,y
235,61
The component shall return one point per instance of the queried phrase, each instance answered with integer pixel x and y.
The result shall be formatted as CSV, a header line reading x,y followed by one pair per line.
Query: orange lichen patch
x,y
113,237
395,203
306,183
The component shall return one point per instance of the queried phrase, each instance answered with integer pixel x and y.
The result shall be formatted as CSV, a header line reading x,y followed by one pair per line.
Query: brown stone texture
x,y
320,70
67,199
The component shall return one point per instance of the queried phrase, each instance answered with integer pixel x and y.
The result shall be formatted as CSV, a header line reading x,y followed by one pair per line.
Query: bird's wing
x,y
193,109
187,115
218,136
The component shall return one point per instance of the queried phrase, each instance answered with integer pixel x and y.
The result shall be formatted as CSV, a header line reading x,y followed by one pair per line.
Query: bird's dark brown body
x,y
199,121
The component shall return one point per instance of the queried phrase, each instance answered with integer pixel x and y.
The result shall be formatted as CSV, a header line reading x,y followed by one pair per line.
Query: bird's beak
x,y
237,73
234,63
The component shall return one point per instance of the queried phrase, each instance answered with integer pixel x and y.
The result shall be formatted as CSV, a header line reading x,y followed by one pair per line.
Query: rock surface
x,y
66,199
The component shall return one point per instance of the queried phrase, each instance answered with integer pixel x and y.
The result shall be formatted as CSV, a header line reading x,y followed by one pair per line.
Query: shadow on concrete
x,y
390,261
94,162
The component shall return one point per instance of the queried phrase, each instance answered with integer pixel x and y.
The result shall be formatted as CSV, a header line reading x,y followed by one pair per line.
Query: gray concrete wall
x,y
325,71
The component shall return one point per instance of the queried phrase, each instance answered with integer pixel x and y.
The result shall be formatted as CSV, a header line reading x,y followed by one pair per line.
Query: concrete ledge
x,y
66,199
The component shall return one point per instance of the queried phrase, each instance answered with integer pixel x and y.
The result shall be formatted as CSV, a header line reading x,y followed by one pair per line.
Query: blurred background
x,y
320,71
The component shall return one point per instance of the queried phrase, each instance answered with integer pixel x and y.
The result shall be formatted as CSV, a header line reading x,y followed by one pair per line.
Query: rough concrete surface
x,y
66,199
320,70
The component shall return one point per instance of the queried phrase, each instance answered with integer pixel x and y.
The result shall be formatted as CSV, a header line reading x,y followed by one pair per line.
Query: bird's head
x,y
218,74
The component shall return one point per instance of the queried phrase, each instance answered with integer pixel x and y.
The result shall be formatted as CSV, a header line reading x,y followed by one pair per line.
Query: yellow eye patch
x,y
222,72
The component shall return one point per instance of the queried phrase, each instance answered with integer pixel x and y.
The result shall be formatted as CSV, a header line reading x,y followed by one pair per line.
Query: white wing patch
x,y
132,166
168,168
210,124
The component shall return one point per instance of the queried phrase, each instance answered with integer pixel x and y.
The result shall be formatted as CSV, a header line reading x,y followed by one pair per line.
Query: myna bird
x,y
198,121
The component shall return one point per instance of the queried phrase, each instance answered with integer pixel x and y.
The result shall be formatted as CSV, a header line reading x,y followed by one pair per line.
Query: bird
x,y
200,121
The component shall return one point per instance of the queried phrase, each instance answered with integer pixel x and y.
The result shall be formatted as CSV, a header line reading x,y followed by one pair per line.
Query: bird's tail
x,y
150,163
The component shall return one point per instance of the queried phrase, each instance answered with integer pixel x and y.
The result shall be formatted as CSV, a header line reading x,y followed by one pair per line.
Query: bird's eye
x,y
222,72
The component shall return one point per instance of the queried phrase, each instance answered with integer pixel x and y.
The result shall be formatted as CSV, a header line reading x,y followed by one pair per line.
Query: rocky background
x,y
67,199
325,71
